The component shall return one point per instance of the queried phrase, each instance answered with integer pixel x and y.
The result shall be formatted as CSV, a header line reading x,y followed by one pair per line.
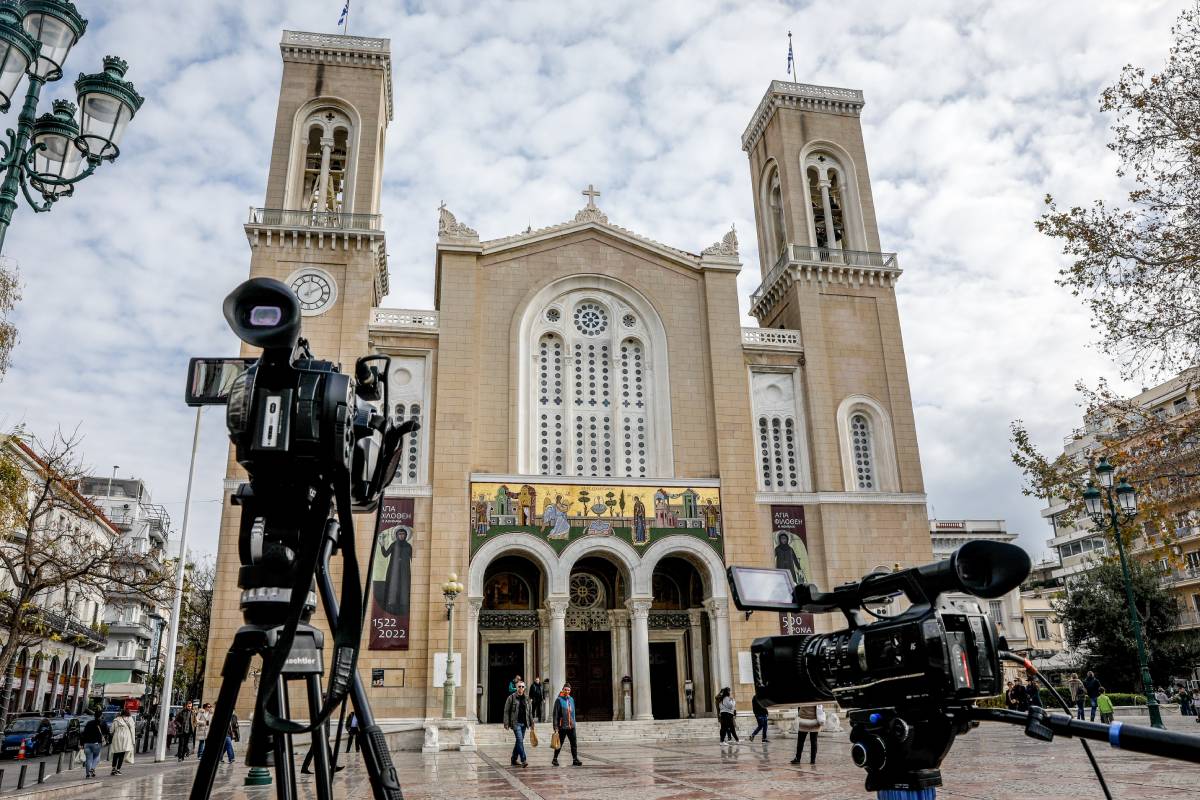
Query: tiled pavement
x,y
993,763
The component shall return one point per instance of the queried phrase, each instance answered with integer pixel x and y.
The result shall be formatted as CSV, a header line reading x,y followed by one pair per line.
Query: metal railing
x,y
404,318
325,220
806,255
771,338
1188,619
1183,575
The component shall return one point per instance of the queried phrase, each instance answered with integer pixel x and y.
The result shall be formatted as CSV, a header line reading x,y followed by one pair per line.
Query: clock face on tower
x,y
315,289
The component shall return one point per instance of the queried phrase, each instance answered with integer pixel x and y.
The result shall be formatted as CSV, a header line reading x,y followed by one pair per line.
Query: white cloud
x,y
505,111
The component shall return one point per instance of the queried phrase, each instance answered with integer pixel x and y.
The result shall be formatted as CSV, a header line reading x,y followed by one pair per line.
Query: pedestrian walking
x,y
232,735
563,720
518,718
536,697
1078,693
95,734
809,719
203,723
512,685
1020,696
1161,696
1092,684
760,716
185,728
1105,704
352,732
124,738
727,712
1033,694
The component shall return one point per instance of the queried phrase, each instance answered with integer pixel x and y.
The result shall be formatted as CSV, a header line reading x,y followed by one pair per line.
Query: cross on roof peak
x,y
591,193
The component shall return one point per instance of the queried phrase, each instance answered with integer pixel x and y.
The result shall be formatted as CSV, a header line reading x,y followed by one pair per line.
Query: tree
x,y
195,613
1096,618
1138,265
10,294
55,543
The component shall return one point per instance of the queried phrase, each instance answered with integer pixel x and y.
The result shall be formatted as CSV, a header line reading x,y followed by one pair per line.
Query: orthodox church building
x,y
600,435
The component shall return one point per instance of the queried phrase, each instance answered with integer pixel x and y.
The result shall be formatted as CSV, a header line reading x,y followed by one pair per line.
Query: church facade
x,y
600,435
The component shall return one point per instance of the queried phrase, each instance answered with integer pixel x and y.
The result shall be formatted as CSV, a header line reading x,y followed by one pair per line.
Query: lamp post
x,y
450,591
1126,500
48,155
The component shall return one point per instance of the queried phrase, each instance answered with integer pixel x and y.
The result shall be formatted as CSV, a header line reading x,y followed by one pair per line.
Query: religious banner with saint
x,y
790,542
391,577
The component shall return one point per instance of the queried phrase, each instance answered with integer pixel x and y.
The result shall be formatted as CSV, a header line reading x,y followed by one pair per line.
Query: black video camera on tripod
x,y
316,448
911,681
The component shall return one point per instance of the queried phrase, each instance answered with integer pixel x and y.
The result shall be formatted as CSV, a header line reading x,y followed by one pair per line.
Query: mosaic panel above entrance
x,y
560,513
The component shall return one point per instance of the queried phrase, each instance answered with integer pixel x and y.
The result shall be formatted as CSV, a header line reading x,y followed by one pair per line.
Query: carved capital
x,y
718,607
695,617
558,607
474,604
639,608
618,618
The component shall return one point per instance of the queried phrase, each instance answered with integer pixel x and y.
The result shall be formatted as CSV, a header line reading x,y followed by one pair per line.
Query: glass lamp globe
x,y
1104,472
57,26
1093,501
106,102
17,51
1127,498
58,157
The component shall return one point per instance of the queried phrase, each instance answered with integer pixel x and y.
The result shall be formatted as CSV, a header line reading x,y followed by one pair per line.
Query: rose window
x,y
590,319
586,591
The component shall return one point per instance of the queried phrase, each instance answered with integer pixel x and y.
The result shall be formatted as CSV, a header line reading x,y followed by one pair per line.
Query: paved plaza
x,y
993,763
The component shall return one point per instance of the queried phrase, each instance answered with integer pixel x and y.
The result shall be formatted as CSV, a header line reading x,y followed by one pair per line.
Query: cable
x,y
1031,669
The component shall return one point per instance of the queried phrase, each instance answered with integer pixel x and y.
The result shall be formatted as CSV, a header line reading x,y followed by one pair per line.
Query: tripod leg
x,y
285,762
237,662
385,783
320,741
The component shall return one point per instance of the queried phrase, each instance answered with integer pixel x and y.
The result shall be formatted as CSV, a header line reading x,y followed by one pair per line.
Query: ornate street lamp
x,y
49,155
1121,501
450,591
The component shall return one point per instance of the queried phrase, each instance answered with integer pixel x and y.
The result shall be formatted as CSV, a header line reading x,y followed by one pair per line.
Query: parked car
x,y
35,732
64,732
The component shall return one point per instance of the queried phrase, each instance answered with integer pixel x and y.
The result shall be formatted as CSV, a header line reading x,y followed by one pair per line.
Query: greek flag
x,y
791,60
345,14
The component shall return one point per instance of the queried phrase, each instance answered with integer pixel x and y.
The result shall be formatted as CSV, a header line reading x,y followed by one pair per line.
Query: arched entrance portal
x,y
509,624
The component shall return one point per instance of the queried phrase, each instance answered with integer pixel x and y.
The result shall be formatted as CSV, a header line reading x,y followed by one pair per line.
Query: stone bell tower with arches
x,y
320,232
825,275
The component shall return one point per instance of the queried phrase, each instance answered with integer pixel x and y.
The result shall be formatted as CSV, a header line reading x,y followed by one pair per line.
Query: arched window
x,y
832,206
860,440
772,201
868,450
779,433
321,175
595,383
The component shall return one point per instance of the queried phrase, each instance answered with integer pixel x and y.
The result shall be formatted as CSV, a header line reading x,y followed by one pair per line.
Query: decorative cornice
x,y
329,48
728,246
853,498
569,480
803,96
451,231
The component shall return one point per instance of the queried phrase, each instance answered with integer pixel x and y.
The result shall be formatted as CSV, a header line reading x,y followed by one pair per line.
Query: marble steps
x,y
492,735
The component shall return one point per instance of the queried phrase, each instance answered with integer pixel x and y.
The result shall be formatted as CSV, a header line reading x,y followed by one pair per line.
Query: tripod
x,y
304,662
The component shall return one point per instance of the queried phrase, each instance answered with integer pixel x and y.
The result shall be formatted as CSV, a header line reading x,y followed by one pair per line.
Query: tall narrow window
x,y
406,390
591,382
829,198
864,460
778,432
778,236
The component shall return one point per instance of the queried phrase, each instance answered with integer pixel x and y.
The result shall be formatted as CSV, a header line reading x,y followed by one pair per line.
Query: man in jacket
x,y
1078,693
563,719
1092,684
536,697
232,735
185,728
518,717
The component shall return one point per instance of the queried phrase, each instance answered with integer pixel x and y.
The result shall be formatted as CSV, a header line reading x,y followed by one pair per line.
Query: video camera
x,y
318,445
900,674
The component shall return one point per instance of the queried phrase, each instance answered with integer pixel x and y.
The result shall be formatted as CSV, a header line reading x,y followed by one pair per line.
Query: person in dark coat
x,y
518,718
760,716
1032,694
1092,684
185,729
563,720
536,698
785,558
394,597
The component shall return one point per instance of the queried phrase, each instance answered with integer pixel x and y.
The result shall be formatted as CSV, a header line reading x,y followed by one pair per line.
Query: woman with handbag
x,y
727,711
809,719
122,742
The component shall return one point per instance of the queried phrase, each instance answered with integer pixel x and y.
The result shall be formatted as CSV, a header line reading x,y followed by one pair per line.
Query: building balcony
x,y
823,265
1181,577
140,630
314,220
404,320
126,662
1187,620
777,339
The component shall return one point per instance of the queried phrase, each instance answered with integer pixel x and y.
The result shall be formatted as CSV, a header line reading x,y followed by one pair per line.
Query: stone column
x,y
639,625
323,180
718,613
470,676
558,641
830,240
543,660
618,623
696,634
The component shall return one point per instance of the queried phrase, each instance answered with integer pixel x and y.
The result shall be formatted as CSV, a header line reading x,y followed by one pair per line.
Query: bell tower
x,y
825,277
320,229
321,233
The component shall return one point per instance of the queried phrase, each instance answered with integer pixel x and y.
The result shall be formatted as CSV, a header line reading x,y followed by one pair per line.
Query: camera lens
x,y
265,316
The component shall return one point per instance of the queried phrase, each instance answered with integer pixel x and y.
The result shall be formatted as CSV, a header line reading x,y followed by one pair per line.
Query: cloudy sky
x,y
507,110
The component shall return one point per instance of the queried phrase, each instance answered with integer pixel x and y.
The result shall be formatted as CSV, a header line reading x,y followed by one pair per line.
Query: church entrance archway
x,y
596,615
589,671
510,629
